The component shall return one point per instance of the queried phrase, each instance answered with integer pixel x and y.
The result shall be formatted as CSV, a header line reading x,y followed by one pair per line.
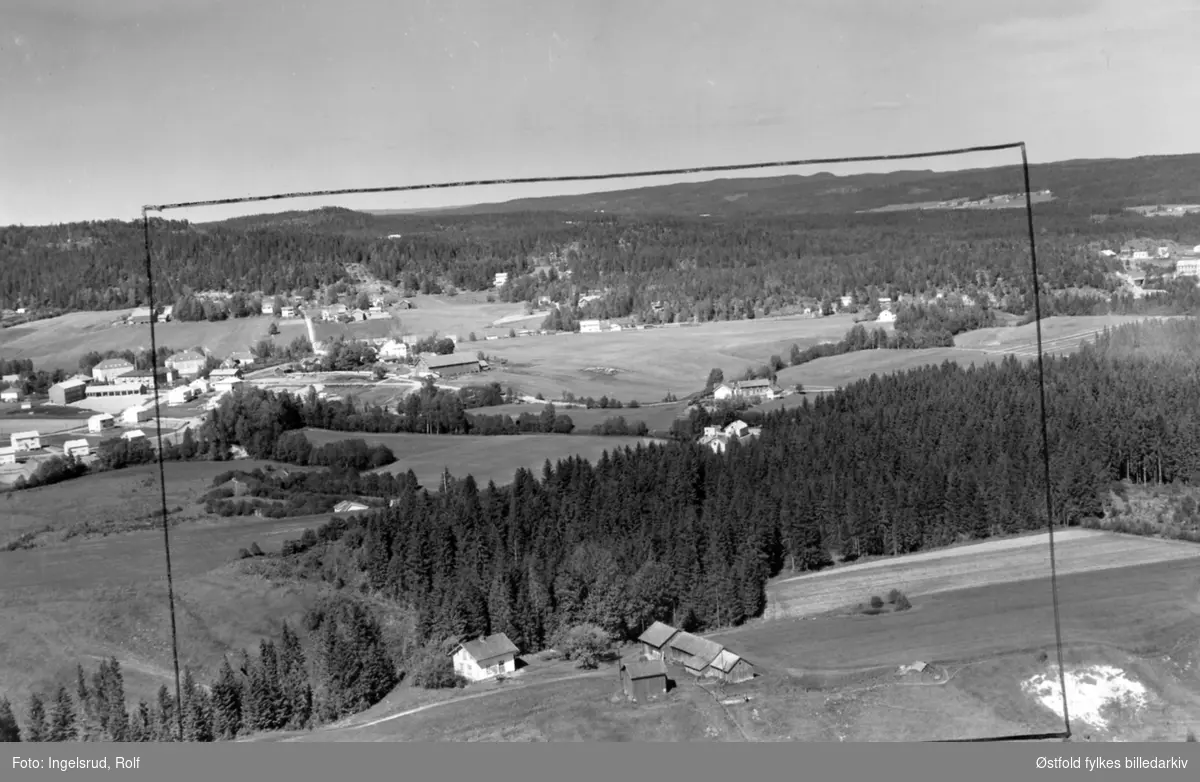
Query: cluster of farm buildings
x,y
642,679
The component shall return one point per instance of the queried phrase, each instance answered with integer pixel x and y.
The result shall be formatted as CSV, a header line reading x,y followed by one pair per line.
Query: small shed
x,y
655,639
644,680
729,668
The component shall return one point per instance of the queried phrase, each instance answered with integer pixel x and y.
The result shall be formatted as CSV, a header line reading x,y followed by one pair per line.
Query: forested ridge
x,y
888,465
707,268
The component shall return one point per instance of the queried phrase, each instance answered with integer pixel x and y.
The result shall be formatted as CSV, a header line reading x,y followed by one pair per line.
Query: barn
x,y
692,652
729,668
655,639
448,365
485,658
644,680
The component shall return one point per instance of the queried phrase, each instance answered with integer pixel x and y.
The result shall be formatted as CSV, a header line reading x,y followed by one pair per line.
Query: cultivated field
x,y
459,315
1060,334
119,495
58,343
965,567
650,363
825,374
657,417
486,458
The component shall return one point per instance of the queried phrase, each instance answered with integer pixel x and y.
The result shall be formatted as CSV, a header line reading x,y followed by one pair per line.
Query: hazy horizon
x,y
132,102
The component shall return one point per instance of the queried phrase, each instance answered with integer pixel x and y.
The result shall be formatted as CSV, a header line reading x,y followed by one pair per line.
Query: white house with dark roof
x,y
485,658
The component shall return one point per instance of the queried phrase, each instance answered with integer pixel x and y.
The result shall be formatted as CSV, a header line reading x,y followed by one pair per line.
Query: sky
x,y
112,105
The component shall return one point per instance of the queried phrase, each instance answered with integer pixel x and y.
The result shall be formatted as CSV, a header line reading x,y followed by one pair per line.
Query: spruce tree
x,y
36,729
62,717
165,727
227,704
10,730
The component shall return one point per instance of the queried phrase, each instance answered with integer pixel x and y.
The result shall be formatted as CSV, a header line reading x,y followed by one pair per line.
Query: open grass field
x,y
825,374
486,458
657,417
459,315
118,494
1060,334
650,363
963,567
58,343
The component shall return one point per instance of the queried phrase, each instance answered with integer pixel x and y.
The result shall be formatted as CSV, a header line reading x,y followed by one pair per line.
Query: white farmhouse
x,y
485,658
77,448
26,441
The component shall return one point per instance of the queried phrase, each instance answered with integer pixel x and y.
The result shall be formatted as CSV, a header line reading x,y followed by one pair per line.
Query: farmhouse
x,y
485,658
242,358
655,639
589,326
188,363
758,389
8,455
140,316
268,308
226,385
10,378
349,506
133,434
394,350
26,441
67,392
692,652
729,668
448,365
200,386
76,448
228,373
288,312
110,369
737,429
714,439
99,423
645,680
135,415
10,395
499,279
887,316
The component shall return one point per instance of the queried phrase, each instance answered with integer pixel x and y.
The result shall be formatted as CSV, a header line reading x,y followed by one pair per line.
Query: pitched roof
x,y
761,383
24,435
113,363
645,669
725,661
69,384
70,444
348,505
489,648
657,634
695,646
186,355
448,360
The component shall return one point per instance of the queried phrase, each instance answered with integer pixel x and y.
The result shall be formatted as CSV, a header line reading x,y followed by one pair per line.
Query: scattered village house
x,y
225,373
287,312
241,358
485,658
8,455
136,415
268,307
180,395
116,392
26,441
164,376
758,389
644,680
589,326
394,350
67,392
133,434
101,422
140,316
110,369
76,448
448,365
350,506
10,395
188,363
655,639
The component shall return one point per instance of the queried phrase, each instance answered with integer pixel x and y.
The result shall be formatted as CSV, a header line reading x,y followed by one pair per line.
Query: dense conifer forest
x,y
706,268
885,466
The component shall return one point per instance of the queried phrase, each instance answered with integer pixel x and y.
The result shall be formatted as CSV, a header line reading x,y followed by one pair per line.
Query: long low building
x,y
67,392
448,365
